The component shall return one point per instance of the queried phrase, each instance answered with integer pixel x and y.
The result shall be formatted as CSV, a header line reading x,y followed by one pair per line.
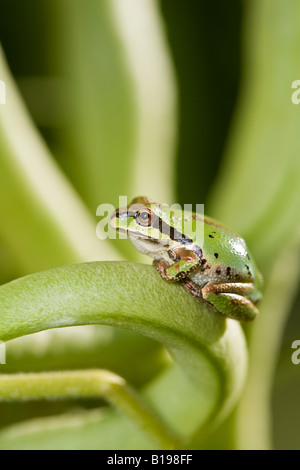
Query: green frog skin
x,y
219,271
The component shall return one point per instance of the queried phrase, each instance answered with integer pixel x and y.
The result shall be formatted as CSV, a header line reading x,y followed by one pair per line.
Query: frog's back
x,y
226,253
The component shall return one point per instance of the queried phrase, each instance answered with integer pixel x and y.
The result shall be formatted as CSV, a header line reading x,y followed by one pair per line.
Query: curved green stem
x,y
88,383
209,348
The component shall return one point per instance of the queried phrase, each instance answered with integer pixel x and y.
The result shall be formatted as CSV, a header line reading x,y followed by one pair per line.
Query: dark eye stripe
x,y
166,229
160,225
124,215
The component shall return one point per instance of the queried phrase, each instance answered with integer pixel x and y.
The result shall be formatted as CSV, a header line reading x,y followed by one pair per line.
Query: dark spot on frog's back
x,y
216,255
228,271
248,270
211,236
218,271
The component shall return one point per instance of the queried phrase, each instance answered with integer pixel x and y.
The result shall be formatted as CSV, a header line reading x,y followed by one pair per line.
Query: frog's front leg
x,y
184,261
230,299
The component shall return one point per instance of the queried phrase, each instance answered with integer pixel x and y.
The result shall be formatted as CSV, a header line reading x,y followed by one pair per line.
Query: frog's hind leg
x,y
231,299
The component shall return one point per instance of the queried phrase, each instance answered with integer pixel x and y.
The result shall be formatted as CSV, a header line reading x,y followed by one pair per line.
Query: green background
x,y
235,149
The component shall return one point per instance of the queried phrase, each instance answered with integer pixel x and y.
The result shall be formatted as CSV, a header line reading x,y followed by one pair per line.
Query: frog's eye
x,y
144,217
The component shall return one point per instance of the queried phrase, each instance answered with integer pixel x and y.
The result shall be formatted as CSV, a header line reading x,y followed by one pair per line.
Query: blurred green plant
x,y
258,192
121,140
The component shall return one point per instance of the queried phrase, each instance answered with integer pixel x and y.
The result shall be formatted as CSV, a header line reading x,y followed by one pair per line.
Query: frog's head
x,y
150,226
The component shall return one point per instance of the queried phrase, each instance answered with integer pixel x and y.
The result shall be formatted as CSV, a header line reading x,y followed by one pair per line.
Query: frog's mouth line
x,y
140,235
145,237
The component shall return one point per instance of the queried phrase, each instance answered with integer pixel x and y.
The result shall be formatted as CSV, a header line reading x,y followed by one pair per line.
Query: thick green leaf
x,y
209,348
44,223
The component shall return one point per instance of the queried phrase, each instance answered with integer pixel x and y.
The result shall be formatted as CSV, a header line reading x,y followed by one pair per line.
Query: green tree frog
x,y
220,272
